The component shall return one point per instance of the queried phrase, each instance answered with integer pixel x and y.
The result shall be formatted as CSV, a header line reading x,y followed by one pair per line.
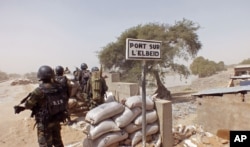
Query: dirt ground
x,y
18,129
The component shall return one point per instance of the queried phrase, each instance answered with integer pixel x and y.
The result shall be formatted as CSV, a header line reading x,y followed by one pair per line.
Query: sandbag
x,y
87,142
109,97
151,116
127,116
136,137
95,131
131,128
104,111
136,101
72,103
110,138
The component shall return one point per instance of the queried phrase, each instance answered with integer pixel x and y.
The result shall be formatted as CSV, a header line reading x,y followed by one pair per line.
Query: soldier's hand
x,y
18,109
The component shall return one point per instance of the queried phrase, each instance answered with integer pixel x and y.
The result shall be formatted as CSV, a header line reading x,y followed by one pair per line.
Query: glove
x,y
18,109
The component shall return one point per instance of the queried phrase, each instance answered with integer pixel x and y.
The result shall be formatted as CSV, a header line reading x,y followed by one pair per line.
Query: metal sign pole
x,y
144,123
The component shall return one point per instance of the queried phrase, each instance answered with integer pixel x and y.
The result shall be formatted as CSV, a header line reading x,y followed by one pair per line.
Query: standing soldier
x,y
62,79
97,87
83,78
47,103
67,71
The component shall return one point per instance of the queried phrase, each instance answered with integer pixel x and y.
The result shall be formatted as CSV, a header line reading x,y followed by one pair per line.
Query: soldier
x,y
97,87
47,103
61,79
83,76
67,71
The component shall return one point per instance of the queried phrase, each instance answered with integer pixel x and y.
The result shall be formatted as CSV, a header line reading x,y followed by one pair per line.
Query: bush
x,y
204,67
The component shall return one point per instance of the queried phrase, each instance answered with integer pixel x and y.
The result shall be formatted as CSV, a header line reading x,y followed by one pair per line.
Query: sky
x,y
71,32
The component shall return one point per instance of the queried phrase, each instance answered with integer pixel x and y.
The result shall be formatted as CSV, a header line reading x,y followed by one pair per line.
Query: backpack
x,y
56,99
63,81
98,85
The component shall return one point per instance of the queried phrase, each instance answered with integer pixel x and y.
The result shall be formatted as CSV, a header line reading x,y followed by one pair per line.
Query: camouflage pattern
x,y
83,79
48,132
63,80
64,83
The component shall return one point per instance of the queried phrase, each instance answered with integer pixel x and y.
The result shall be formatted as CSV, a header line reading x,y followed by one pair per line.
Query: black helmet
x,y
45,73
59,70
84,66
93,69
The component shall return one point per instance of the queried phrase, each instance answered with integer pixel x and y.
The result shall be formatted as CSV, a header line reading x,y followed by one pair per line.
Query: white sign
x,y
137,49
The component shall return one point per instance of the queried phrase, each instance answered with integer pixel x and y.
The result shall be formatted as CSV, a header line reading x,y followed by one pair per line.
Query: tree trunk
x,y
161,91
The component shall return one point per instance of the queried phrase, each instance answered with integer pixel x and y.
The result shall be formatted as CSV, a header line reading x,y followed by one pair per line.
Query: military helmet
x,y
84,66
45,72
59,70
93,69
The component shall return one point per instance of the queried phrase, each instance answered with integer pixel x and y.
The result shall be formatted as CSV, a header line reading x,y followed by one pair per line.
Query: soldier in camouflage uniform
x,y
47,103
63,80
97,87
84,77
82,95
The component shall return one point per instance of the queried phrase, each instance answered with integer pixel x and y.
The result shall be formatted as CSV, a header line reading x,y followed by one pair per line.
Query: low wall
x,y
224,113
121,89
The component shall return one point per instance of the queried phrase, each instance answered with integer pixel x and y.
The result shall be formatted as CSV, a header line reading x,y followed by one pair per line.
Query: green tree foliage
x,y
204,67
179,41
245,61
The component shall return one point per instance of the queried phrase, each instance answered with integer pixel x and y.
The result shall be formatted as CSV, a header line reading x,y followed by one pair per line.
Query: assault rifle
x,y
18,108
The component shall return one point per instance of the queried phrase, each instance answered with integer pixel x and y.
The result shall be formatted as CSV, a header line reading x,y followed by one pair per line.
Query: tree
x,y
179,42
245,61
204,67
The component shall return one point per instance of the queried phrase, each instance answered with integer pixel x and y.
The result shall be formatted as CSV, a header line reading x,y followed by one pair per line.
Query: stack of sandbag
x,y
113,123
134,128
102,130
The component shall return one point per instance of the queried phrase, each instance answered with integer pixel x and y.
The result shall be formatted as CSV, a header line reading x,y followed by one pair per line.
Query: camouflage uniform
x,y
83,79
48,132
63,80
83,95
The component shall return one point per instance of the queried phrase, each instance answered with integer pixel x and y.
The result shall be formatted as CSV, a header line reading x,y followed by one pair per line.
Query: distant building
x,y
241,76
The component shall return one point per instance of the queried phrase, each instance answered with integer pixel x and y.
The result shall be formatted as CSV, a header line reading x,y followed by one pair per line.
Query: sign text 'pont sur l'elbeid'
x,y
138,49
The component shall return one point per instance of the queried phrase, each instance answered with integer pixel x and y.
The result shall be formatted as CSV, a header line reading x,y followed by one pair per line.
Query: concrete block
x,y
124,90
164,112
112,77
